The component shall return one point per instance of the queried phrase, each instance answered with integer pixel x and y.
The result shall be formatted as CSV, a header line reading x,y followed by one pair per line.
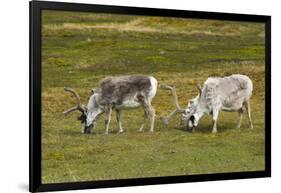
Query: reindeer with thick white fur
x,y
229,93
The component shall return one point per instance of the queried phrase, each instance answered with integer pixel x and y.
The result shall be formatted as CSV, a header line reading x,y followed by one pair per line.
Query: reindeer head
x,y
89,114
186,116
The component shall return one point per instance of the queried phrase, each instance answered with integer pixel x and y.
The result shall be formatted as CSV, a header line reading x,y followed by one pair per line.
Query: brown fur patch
x,y
115,89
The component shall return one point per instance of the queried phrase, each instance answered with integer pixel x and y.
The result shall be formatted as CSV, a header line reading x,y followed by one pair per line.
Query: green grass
x,y
78,49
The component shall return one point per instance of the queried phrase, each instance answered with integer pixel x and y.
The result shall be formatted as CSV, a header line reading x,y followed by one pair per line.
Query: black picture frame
x,y
36,7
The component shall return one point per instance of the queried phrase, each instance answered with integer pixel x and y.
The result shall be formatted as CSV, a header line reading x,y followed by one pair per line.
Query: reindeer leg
x,y
118,118
240,116
108,113
145,115
215,114
148,110
248,108
151,112
152,116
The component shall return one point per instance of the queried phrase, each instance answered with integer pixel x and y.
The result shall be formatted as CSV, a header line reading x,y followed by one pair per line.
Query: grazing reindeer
x,y
227,94
117,93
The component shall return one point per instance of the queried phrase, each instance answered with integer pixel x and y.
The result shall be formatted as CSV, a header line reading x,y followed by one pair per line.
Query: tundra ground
x,y
79,49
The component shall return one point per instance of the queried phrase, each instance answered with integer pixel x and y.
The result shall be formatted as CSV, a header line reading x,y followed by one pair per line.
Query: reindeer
x,y
117,93
227,94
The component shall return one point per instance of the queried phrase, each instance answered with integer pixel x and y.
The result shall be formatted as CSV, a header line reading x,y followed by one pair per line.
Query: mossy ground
x,y
78,49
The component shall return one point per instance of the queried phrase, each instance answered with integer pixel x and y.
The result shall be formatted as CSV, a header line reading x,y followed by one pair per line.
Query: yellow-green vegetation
x,y
78,49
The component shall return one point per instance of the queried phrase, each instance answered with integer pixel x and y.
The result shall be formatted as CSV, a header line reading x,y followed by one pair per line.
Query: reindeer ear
x,y
199,89
93,90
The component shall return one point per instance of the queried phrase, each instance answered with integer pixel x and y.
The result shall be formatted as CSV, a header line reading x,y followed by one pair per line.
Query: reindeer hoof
x,y
190,130
86,131
140,130
250,127
120,132
214,132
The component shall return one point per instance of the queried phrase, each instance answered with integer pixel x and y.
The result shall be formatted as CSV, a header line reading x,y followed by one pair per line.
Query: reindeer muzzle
x,y
87,130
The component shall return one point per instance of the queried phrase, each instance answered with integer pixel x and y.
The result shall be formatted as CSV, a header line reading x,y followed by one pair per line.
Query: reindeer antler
x,y
80,107
165,120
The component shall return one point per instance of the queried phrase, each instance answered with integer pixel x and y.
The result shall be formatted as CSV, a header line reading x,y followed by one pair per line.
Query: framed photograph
x,y
126,96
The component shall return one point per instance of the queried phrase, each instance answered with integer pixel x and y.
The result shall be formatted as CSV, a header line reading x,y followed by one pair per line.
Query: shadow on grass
x,y
203,128
77,131
206,128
